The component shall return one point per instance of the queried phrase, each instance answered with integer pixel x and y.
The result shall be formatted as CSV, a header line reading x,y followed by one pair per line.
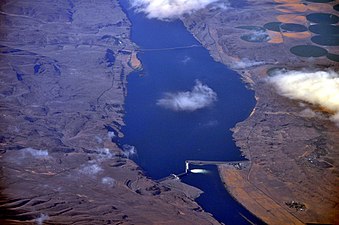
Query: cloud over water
x,y
199,97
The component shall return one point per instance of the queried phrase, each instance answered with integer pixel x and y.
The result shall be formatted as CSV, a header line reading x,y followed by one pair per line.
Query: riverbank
x,y
176,112
253,198
285,164
292,145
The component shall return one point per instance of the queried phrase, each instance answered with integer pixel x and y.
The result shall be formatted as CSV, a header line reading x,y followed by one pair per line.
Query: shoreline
x,y
275,135
254,199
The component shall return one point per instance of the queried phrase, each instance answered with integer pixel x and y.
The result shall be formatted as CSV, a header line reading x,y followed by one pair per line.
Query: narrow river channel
x,y
165,138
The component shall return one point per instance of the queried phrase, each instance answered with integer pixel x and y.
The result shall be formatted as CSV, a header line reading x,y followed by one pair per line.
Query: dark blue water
x,y
164,138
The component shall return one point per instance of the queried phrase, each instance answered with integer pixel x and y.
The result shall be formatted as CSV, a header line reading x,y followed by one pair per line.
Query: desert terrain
x,y
63,83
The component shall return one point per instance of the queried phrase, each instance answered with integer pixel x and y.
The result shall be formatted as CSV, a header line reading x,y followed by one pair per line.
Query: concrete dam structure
x,y
236,164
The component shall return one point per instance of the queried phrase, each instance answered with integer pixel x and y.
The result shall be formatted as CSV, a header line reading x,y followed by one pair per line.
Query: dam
x,y
237,164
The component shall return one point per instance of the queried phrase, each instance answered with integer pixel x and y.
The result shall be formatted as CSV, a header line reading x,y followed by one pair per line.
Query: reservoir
x,y
165,136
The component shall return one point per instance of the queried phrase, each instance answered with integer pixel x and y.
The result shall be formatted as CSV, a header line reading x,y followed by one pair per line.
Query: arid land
x,y
63,84
293,172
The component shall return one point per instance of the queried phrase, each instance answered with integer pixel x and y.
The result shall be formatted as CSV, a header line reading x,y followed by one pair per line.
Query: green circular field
x,y
293,27
325,18
273,26
333,57
324,29
326,40
308,51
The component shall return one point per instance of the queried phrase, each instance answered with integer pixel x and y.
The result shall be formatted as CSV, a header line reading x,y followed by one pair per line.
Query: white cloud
x,y
40,220
259,36
104,153
318,88
108,181
246,63
35,152
172,9
111,134
91,169
129,150
199,97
